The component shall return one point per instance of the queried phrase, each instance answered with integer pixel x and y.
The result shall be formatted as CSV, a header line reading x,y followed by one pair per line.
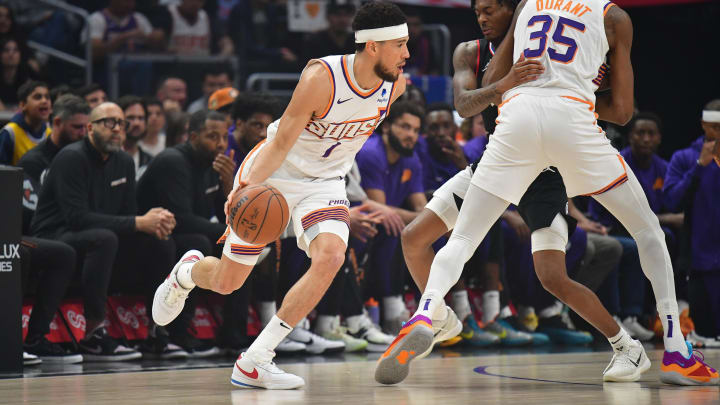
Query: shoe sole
x,y
645,366
673,378
394,366
61,360
376,347
243,382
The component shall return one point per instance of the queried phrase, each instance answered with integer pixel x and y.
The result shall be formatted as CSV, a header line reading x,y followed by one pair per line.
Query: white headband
x,y
381,34
711,116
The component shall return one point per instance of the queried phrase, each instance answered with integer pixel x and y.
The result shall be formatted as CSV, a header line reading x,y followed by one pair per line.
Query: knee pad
x,y
554,237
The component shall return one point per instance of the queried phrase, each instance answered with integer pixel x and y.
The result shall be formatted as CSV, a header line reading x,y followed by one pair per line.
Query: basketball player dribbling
x,y
552,121
336,106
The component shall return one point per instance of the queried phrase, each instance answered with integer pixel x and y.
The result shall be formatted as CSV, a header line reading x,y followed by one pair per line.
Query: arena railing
x,y
72,59
115,59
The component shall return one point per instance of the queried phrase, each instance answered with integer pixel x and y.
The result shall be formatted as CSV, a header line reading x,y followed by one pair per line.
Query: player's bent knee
x,y
554,237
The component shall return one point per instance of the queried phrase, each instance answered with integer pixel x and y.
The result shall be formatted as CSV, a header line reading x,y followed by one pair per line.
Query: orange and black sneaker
x,y
414,339
680,370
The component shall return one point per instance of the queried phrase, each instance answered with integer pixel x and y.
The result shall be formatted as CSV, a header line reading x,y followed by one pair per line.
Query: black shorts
x,y
545,198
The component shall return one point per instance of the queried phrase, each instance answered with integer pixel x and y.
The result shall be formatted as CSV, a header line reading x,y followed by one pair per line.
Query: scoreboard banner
x,y
622,3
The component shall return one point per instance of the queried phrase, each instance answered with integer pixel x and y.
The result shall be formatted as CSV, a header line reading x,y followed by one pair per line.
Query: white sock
x,y
673,337
490,306
271,335
393,306
552,310
184,276
432,306
461,304
620,342
354,322
324,323
266,310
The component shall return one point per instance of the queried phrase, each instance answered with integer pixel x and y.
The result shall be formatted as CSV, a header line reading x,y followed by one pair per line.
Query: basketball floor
x,y
553,375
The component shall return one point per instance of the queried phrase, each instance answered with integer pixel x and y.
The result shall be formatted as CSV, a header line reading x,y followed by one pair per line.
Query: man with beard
x,y
391,174
192,180
28,127
69,124
88,201
336,106
136,115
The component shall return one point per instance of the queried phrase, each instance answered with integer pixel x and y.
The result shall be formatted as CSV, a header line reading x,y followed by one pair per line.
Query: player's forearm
x,y
266,163
473,102
611,109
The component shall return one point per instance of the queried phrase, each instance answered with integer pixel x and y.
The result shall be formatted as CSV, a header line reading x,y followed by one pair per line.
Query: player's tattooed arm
x,y
617,105
469,100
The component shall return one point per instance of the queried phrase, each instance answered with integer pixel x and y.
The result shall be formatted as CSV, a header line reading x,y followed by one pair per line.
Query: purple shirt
x,y
240,151
435,172
651,179
693,188
398,180
475,147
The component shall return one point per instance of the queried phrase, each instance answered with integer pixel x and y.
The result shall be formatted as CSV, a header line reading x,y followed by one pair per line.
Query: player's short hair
x,y
400,108
28,87
130,100
644,115
198,118
511,4
68,105
439,106
249,103
376,14
713,105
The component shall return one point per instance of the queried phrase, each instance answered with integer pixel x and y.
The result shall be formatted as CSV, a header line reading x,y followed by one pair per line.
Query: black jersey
x,y
484,55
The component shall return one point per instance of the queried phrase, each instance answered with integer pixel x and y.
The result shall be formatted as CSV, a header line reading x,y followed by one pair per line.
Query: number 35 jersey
x,y
327,146
568,37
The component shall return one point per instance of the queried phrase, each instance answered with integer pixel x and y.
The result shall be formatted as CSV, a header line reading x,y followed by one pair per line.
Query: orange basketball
x,y
259,214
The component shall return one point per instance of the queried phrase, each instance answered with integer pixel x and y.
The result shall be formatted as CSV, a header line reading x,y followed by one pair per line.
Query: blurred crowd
x,y
117,190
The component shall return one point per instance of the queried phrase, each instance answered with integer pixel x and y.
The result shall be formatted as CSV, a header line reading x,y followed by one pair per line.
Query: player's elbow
x,y
625,114
461,109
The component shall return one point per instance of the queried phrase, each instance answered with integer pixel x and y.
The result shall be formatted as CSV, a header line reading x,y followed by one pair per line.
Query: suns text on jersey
x,y
343,130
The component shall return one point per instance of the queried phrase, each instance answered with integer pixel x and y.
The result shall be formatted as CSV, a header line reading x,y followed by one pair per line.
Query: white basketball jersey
x,y
568,37
189,39
327,146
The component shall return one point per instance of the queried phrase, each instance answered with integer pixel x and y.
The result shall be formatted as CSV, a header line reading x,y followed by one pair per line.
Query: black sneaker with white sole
x,y
196,348
31,359
51,353
101,347
157,346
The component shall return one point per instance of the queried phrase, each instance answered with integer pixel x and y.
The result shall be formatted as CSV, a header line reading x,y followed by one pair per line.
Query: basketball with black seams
x,y
259,214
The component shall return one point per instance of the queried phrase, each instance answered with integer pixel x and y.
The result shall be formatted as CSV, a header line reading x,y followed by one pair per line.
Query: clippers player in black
x,y
545,199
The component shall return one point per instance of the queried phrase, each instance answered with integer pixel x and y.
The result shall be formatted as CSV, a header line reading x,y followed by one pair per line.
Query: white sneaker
x,y
256,370
368,331
334,331
628,364
314,344
30,359
636,330
170,296
288,346
702,341
443,330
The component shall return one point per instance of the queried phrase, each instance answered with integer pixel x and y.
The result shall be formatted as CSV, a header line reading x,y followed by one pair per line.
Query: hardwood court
x,y
569,378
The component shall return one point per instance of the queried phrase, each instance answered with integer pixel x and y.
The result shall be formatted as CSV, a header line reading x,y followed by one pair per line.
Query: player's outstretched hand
x,y
523,71
230,197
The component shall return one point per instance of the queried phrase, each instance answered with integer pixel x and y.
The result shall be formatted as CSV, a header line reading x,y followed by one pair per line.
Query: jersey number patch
x,y
330,149
557,37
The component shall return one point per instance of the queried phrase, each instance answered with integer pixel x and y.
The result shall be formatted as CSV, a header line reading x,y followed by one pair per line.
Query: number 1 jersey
x,y
568,37
327,146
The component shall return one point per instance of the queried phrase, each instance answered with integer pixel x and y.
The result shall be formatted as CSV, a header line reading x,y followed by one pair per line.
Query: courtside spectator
x,y
177,128
69,124
88,201
15,72
155,139
189,29
28,127
442,156
93,94
136,116
172,92
337,38
691,184
216,77
222,100
252,113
